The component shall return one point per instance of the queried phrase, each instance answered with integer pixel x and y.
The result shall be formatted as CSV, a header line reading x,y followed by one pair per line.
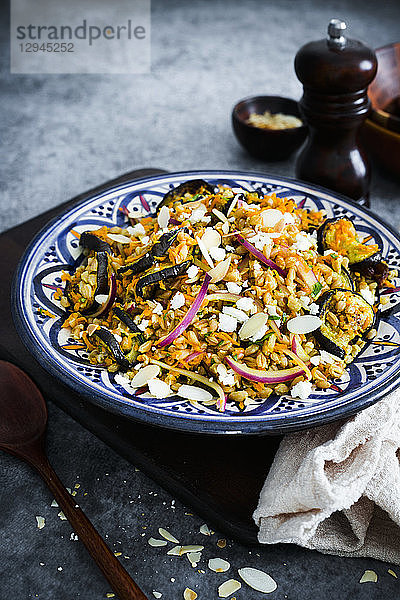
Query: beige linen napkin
x,y
336,488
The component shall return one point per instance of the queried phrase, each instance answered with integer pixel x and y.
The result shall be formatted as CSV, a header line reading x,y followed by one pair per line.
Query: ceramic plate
x,y
38,316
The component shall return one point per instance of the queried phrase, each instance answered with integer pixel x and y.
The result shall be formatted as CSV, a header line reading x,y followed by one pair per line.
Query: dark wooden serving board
x,y
221,483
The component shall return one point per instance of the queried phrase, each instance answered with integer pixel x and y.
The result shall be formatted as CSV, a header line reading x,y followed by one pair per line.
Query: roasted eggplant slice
x,y
139,266
109,341
92,242
340,235
129,322
160,249
161,275
192,187
345,316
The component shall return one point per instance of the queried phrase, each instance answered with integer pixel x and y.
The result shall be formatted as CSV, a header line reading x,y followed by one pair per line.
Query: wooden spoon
x,y
23,420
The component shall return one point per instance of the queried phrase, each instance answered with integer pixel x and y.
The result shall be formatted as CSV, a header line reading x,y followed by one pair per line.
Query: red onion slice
x,y
264,376
144,203
188,318
260,256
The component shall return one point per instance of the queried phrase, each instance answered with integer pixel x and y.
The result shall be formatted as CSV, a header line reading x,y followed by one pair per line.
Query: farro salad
x,y
225,296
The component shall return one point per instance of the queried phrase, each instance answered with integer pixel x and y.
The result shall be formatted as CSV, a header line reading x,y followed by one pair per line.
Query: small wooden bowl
x,y
267,144
386,86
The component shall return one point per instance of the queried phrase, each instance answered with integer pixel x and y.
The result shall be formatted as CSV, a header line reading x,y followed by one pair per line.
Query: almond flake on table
x,y
258,580
189,594
167,535
204,529
392,573
157,594
156,543
369,577
194,558
40,522
218,565
221,543
228,587
62,516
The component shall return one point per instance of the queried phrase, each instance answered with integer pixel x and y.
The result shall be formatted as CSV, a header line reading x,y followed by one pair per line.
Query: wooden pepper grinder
x,y
335,73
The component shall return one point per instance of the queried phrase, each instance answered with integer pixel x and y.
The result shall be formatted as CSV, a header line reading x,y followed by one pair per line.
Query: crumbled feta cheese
x,y
305,301
368,295
198,215
229,248
271,309
245,304
138,230
143,324
192,271
233,287
259,334
315,360
313,308
177,301
304,241
158,388
301,390
240,315
225,377
122,379
185,215
158,309
288,218
328,252
217,253
145,239
206,219
260,240
227,323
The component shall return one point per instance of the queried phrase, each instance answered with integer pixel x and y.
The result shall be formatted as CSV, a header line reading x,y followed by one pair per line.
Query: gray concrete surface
x,y
63,134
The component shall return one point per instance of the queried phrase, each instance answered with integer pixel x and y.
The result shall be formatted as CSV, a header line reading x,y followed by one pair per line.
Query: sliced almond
x,y
144,375
158,388
220,215
40,522
304,324
155,543
189,594
253,325
120,239
157,594
194,558
204,252
258,580
205,530
270,217
163,217
211,238
167,535
219,272
190,549
192,392
175,551
218,565
228,587
369,577
233,204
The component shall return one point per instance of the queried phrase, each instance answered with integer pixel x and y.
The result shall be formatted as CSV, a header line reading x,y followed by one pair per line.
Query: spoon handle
x,y
113,571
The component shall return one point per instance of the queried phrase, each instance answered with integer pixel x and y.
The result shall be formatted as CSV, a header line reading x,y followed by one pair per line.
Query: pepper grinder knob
x,y
336,28
335,73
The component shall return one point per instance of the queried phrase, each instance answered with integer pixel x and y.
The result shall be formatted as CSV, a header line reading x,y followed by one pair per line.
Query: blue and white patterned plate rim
x,y
310,414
